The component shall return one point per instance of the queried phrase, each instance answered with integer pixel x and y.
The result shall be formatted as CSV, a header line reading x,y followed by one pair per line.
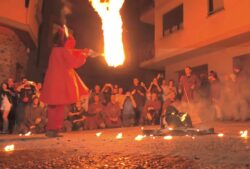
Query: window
x,y
215,6
173,20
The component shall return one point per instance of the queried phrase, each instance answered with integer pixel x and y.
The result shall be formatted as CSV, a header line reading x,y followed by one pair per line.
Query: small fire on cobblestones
x,y
98,134
9,148
220,135
119,136
244,134
139,137
168,137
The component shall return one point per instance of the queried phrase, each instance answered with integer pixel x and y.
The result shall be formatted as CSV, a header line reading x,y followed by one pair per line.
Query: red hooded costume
x,y
62,85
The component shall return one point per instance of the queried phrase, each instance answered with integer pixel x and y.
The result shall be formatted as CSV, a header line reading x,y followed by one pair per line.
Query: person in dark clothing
x,y
36,117
138,94
25,93
75,119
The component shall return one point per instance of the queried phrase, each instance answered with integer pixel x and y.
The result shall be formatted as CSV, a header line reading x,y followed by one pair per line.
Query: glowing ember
x,y
243,134
220,135
183,117
168,137
28,134
9,148
119,136
142,128
193,137
139,137
170,128
66,30
109,12
98,134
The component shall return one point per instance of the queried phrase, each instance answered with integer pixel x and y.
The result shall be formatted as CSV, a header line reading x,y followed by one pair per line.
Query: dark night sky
x,y
86,26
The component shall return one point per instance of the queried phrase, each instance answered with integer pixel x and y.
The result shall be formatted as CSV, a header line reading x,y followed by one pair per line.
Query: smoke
x,y
65,11
235,97
231,100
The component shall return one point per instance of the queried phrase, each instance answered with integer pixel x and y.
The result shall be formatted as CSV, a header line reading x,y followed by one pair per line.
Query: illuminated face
x,y
120,90
97,89
10,82
188,71
35,101
171,83
136,82
39,86
4,86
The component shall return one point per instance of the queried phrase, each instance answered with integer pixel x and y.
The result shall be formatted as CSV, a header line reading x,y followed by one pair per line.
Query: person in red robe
x,y
62,85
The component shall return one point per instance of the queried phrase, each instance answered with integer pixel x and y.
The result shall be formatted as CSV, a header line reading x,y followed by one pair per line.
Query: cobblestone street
x,y
86,150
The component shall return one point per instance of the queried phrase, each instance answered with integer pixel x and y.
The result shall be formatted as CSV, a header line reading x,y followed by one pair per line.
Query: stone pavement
x,y
85,150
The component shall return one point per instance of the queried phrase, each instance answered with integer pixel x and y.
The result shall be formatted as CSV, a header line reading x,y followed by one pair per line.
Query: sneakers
x,y
52,133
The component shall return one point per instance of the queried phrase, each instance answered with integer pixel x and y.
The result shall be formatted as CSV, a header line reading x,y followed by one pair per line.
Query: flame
x,y
98,134
168,137
139,137
183,117
9,148
109,12
119,136
220,135
28,133
243,134
66,30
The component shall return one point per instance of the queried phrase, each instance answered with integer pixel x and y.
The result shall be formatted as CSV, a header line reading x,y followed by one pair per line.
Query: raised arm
x,y
75,58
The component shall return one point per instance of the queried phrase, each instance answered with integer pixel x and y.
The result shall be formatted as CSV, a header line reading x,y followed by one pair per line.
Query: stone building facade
x,y
13,55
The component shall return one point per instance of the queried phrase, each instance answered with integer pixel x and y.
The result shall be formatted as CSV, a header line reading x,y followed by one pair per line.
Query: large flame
x,y
109,11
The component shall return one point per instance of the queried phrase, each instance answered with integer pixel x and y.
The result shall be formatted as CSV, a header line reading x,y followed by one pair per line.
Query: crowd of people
x,y
203,97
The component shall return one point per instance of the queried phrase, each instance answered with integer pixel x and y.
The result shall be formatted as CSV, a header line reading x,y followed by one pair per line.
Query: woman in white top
x,y
6,104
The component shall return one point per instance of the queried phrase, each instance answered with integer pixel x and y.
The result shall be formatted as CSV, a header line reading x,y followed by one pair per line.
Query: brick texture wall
x,y
13,55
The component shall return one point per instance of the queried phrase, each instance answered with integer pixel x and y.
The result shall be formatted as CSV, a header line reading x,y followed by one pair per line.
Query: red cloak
x,y
62,85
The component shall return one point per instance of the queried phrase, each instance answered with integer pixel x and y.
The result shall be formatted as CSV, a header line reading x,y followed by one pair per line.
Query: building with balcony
x,y
19,29
205,34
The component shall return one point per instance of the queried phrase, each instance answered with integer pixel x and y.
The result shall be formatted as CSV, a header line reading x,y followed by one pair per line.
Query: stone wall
x,y
13,55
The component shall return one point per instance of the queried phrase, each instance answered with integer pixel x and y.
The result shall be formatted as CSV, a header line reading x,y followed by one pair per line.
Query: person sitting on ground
x,y
151,110
107,91
171,115
112,114
94,117
75,119
36,117
128,113
96,91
